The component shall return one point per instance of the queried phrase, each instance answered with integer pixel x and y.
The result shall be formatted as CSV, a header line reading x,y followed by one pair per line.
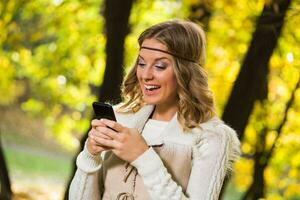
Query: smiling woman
x,y
167,142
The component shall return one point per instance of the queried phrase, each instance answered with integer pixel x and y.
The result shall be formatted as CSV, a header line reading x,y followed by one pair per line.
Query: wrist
x,y
91,152
87,162
138,153
148,162
143,150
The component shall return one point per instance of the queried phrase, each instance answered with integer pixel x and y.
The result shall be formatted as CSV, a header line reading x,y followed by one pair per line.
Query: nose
x,y
147,73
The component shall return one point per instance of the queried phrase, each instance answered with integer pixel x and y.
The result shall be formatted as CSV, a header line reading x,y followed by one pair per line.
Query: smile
x,y
151,87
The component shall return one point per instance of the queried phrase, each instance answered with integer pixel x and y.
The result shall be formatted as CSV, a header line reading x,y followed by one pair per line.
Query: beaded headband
x,y
173,54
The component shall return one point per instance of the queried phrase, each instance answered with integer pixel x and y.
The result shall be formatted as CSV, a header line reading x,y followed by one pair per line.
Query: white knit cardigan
x,y
214,147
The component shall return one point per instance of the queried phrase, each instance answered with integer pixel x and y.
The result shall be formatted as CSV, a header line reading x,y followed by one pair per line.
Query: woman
x,y
167,142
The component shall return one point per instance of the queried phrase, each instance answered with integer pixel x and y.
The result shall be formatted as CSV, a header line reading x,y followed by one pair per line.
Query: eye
x,y
161,66
140,64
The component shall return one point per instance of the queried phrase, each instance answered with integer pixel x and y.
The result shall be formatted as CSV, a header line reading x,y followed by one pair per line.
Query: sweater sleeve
x,y
156,178
212,158
85,183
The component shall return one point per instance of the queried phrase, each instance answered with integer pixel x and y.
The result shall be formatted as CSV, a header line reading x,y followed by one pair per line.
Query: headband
x,y
173,54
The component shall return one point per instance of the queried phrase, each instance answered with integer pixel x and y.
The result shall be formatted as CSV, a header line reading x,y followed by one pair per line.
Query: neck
x,y
164,113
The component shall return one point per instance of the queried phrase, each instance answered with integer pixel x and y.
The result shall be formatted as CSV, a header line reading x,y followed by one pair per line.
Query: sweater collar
x,y
141,117
172,130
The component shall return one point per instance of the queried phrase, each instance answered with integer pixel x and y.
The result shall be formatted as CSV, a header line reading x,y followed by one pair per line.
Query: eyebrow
x,y
167,52
157,59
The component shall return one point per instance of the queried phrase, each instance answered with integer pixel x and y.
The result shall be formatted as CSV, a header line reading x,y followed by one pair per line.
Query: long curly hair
x,y
195,100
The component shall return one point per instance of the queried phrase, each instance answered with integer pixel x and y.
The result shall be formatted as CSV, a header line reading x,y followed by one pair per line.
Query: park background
x,y
58,56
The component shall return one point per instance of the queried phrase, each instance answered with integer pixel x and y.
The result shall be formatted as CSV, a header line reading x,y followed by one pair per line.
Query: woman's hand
x,y
128,144
92,145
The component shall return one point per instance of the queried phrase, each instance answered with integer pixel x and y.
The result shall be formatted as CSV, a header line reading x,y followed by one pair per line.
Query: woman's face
x,y
155,72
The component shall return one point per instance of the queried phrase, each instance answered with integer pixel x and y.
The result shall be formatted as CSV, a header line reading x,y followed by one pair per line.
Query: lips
x,y
151,87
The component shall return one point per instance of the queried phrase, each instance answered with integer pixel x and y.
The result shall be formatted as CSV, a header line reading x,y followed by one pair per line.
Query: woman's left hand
x,y
126,143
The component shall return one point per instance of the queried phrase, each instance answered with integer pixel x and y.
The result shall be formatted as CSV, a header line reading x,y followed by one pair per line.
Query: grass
x,y
37,169
29,155
37,163
38,166
231,193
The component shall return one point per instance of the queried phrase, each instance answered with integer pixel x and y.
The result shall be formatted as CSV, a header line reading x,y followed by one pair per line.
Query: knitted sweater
x,y
214,147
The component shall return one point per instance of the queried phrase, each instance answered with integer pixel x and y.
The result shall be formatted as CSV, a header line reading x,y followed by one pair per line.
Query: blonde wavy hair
x,y
195,100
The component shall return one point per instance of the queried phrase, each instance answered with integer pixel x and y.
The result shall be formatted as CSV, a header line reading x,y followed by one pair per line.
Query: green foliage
x,y
49,60
231,28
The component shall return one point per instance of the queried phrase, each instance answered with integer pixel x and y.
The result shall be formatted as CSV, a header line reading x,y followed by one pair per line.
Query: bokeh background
x,y
58,56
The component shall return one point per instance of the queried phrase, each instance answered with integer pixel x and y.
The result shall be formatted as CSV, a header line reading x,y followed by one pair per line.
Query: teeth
x,y
151,87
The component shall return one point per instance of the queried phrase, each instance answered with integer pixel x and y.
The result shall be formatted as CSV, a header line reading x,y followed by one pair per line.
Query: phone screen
x,y
104,110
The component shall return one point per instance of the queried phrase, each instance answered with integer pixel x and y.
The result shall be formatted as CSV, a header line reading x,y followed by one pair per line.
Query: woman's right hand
x,y
93,147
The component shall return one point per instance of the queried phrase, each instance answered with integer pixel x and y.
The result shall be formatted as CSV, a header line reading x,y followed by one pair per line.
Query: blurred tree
x,y
251,83
116,14
263,154
5,189
48,61
200,12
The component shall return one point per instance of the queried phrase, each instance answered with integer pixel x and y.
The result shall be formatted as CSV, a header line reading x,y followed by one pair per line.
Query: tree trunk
x,y
116,13
5,190
262,155
250,84
257,187
200,12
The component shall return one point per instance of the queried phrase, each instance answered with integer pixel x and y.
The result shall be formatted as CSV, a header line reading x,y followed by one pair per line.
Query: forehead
x,y
154,44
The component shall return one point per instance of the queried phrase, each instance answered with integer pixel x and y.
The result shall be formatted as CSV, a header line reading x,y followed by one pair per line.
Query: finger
x,y
112,124
100,132
96,132
97,122
106,143
94,144
102,148
95,136
108,133
96,149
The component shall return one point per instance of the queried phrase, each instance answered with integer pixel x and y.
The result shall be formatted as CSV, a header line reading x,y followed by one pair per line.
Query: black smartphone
x,y
104,110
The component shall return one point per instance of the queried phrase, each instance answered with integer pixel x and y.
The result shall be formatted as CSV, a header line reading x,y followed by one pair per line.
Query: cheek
x,y
174,81
138,75
172,84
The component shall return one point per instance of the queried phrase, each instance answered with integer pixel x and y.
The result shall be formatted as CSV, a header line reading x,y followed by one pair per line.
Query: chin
x,y
151,101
